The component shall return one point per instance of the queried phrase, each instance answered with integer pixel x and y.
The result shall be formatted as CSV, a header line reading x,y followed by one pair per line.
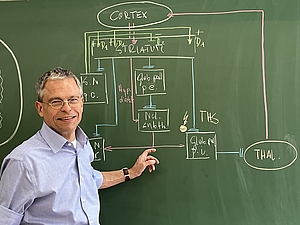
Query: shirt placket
x,y
83,184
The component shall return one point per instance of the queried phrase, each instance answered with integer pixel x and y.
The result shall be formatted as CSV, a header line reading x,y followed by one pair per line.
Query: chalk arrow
x,y
110,148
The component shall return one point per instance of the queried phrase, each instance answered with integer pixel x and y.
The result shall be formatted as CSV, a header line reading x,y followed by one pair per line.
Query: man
x,y
48,179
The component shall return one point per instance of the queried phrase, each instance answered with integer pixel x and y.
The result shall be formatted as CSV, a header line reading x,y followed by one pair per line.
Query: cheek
x,y
48,115
80,111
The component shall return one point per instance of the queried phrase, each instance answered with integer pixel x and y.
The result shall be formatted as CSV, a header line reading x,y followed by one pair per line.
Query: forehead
x,y
61,88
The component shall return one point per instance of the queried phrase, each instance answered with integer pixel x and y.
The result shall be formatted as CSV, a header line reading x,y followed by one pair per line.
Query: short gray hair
x,y
55,73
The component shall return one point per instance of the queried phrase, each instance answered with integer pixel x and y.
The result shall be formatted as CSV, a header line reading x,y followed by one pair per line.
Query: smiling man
x,y
62,116
48,179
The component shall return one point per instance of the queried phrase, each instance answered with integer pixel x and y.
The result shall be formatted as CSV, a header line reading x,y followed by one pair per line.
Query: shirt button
x,y
69,144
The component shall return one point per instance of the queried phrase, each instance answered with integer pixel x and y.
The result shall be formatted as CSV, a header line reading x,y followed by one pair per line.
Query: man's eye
x,y
74,100
56,102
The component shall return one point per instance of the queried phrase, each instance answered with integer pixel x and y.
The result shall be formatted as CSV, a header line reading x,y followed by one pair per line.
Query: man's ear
x,y
39,108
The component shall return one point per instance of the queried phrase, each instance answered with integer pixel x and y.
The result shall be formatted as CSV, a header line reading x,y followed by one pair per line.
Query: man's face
x,y
63,120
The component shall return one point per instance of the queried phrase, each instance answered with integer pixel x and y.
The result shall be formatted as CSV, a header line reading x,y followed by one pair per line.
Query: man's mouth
x,y
66,118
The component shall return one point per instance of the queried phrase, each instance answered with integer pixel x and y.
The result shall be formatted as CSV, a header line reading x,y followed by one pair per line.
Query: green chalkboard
x,y
213,85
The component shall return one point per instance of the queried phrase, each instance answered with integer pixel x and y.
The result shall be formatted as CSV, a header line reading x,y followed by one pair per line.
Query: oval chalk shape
x,y
11,104
270,155
134,14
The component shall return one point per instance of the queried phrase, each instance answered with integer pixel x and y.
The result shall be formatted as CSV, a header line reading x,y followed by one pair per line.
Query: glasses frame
x,y
71,104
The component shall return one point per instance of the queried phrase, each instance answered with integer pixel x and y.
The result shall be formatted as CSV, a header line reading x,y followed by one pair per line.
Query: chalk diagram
x,y
11,95
134,34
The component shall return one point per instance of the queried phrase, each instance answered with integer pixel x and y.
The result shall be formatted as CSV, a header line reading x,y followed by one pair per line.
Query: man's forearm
x,y
112,178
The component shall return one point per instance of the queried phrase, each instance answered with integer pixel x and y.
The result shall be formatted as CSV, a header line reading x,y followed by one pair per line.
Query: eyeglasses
x,y
58,103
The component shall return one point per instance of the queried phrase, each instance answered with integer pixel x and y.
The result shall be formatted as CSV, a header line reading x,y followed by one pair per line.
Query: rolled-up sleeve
x,y
98,178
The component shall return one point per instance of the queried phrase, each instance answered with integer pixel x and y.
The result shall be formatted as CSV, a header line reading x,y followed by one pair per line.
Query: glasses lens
x,y
74,101
56,103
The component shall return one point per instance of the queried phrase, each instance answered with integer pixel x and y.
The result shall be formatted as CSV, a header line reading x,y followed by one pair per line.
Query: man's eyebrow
x,y
58,98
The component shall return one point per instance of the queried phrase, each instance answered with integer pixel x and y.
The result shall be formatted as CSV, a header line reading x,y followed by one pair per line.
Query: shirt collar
x,y
56,141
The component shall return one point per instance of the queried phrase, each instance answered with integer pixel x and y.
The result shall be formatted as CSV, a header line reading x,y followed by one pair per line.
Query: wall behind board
x,y
213,85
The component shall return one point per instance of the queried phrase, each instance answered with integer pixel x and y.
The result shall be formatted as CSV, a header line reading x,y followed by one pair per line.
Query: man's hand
x,y
145,160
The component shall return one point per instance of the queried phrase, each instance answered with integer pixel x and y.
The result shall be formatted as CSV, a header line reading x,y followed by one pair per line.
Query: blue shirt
x,y
46,181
